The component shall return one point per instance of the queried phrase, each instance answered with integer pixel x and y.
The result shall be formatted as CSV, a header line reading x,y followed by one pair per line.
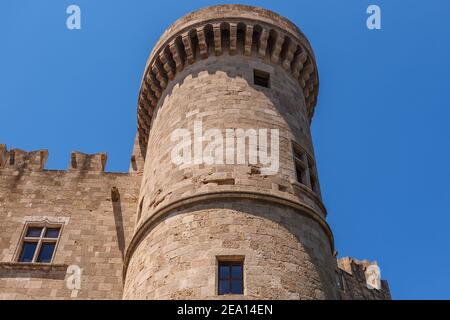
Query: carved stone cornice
x,y
225,29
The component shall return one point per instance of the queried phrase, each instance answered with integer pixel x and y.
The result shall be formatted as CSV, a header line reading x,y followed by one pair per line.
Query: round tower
x,y
230,200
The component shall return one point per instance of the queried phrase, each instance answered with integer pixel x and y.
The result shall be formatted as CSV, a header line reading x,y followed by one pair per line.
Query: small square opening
x,y
261,78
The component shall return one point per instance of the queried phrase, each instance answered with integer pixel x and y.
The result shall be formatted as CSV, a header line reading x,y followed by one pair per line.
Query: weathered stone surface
x,y
352,281
158,231
87,162
287,256
189,215
230,28
95,234
22,160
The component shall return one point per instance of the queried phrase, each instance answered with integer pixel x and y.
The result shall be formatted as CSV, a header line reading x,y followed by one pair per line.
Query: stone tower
x,y
229,67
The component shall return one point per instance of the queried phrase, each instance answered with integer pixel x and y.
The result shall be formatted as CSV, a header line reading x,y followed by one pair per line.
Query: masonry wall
x,y
96,226
219,92
286,255
353,283
281,232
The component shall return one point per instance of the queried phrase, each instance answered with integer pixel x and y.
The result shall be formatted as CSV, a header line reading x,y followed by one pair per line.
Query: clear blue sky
x,y
381,128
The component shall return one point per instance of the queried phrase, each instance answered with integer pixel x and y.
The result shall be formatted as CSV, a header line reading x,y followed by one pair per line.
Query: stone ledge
x,y
234,29
156,216
311,194
32,266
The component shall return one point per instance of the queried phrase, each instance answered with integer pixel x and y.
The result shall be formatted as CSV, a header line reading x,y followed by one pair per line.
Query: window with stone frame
x,y
230,276
38,243
305,168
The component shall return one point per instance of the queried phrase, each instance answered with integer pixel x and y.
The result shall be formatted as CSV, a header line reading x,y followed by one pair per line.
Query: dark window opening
x,y
305,169
313,183
231,278
261,78
34,232
52,233
46,252
28,251
299,170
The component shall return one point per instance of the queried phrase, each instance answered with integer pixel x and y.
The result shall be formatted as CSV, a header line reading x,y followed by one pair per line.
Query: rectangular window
x,y
261,78
305,168
231,277
38,243
300,166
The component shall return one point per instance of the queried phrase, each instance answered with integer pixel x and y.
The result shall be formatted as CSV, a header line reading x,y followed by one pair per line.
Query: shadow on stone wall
x,y
118,219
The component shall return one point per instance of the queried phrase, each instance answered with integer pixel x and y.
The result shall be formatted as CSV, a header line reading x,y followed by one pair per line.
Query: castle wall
x,y
96,229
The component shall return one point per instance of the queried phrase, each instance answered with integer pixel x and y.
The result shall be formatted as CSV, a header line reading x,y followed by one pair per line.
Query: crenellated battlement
x,y
18,159
3,155
353,277
88,162
231,29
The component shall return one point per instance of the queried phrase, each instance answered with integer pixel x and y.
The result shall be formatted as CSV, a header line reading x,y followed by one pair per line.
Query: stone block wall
x,y
97,224
352,281
286,254
220,92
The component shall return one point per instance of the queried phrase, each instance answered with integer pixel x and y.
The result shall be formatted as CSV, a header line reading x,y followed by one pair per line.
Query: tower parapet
x,y
236,30
18,159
